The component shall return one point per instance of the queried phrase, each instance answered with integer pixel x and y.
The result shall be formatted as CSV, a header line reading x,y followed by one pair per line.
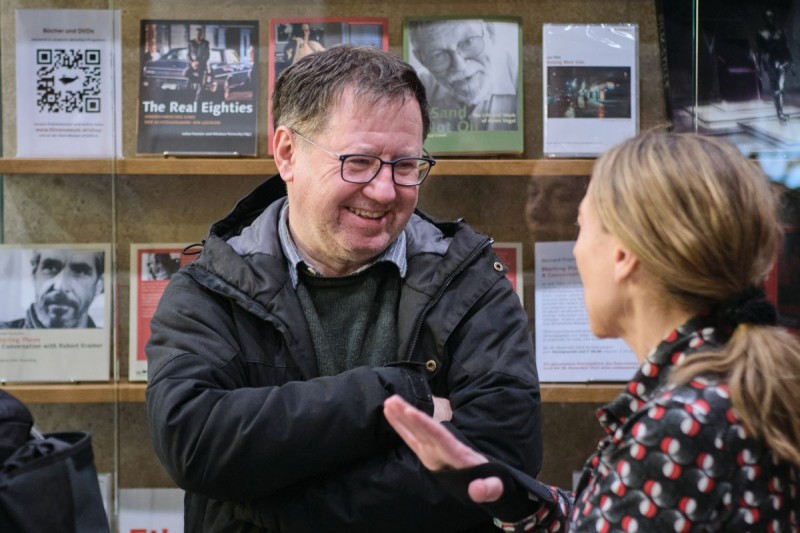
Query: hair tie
x,y
749,306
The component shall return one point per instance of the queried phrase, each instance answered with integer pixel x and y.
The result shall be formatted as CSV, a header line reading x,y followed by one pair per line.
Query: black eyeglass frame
x,y
450,52
343,157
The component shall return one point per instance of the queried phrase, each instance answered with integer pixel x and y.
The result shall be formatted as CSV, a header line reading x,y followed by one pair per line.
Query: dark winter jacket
x,y
243,422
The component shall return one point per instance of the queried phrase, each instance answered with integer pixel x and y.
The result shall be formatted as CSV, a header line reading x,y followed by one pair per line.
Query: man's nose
x,y
540,204
59,282
382,187
457,61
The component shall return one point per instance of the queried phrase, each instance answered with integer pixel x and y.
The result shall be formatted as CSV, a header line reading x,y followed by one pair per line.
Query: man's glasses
x,y
362,168
441,59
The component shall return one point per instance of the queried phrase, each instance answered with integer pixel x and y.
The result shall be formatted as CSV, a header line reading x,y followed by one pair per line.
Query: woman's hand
x,y
437,448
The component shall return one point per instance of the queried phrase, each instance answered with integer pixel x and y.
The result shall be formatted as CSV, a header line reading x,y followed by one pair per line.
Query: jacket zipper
x,y
463,266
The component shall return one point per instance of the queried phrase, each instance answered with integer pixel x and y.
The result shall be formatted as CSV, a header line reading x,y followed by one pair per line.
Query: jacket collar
x,y
434,249
693,336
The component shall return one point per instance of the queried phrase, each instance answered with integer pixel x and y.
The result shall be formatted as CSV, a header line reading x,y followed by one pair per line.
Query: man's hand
x,y
442,412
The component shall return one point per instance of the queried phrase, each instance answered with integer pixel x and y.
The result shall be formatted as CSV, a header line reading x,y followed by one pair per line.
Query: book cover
x,y
590,77
510,253
293,38
566,349
69,86
151,510
55,313
152,266
198,88
730,67
472,71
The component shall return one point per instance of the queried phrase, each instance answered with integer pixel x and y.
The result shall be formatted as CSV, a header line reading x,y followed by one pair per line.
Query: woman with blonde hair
x,y
677,234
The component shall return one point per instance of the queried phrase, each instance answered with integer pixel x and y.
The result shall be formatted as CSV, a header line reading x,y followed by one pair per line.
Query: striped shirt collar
x,y
395,253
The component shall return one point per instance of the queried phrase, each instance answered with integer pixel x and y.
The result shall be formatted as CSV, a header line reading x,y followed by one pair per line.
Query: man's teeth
x,y
366,214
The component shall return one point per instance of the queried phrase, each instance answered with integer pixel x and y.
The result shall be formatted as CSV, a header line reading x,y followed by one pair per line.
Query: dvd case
x,y
591,87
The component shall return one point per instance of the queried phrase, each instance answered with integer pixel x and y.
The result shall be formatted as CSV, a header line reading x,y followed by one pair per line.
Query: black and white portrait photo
x,y
52,288
470,68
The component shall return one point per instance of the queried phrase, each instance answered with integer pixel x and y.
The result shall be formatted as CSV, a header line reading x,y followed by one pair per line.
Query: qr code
x,y
68,81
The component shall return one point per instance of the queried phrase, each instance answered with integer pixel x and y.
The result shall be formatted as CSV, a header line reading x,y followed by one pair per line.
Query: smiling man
x,y
320,295
65,282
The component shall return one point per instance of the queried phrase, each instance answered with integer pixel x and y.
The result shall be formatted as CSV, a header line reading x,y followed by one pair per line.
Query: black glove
x,y
522,495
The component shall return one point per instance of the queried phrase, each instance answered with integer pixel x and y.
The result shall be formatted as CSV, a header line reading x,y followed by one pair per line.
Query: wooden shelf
x,y
580,393
266,167
123,392
126,392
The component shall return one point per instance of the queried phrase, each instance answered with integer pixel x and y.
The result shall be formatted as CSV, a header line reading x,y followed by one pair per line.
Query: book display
x,y
198,93
293,38
472,71
738,79
55,316
591,86
178,146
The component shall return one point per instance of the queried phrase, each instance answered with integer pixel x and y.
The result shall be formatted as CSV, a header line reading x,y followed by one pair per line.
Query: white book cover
x,y
69,83
150,510
591,87
152,266
55,312
566,349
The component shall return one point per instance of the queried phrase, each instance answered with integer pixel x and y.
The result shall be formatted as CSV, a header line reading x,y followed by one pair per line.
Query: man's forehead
x,y
450,28
68,256
352,103
550,184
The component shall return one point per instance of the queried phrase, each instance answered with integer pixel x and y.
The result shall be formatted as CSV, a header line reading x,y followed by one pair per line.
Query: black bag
x,y
47,482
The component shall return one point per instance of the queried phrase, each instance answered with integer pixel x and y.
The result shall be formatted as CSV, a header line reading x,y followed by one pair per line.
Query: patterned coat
x,y
676,459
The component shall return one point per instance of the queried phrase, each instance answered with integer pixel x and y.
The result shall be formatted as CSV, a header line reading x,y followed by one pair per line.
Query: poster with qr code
x,y
68,83
198,88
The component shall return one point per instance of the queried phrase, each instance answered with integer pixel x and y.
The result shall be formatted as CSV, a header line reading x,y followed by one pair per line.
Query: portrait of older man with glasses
x,y
470,70
324,292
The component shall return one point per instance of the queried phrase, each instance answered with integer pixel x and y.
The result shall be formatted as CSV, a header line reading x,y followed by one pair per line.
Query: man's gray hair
x,y
306,92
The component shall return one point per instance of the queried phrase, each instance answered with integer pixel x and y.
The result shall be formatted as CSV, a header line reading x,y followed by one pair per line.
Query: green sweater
x,y
353,319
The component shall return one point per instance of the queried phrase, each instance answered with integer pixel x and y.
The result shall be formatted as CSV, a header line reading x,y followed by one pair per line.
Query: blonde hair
x,y
702,220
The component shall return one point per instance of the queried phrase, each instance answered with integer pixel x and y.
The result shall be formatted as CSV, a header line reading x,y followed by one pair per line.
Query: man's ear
x,y
99,287
625,263
283,150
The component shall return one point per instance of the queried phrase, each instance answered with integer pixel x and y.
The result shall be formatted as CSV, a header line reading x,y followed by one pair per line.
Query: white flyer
x,y
566,349
69,83
591,87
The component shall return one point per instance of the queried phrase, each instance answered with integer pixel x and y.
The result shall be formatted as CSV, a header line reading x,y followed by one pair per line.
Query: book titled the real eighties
x,y
198,91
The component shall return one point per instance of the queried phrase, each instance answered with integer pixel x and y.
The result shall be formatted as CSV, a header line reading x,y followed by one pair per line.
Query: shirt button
x,y
430,365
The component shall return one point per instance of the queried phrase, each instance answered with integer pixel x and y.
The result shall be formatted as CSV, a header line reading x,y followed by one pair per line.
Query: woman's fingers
x,y
485,490
435,446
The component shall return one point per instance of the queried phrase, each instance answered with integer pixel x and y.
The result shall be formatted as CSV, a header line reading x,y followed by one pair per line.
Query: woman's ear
x,y
625,263
283,150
